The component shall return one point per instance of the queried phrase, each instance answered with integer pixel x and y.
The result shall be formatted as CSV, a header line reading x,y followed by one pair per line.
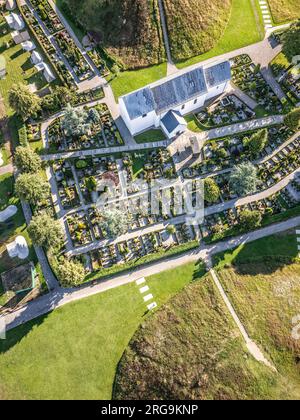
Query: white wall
x,y
216,91
139,124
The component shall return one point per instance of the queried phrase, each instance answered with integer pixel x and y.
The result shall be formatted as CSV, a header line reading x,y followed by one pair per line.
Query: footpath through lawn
x,y
73,352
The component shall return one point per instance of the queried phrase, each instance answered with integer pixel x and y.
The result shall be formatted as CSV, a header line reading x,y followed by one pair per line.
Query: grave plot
x,y
224,153
79,229
47,46
66,185
47,15
95,171
229,110
250,80
101,131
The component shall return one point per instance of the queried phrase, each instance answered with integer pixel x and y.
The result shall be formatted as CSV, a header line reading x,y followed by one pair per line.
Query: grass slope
x,y
284,10
242,29
129,30
195,27
191,349
77,348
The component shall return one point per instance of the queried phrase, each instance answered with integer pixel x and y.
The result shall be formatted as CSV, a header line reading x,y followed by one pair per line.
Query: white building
x,y
163,104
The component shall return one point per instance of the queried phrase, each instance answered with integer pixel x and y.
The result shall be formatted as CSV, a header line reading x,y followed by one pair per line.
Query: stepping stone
x,y
298,240
264,7
144,289
7,213
148,297
268,26
152,306
140,281
297,232
267,21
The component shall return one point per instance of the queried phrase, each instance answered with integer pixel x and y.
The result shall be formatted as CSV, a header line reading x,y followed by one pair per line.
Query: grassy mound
x,y
191,349
195,26
129,30
284,10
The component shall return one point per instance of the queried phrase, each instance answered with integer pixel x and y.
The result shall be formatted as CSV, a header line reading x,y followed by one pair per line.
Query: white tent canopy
x,y
36,57
18,248
49,76
28,45
10,5
15,22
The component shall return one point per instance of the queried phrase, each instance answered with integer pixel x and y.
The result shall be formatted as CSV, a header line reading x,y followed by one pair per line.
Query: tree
x,y
292,119
75,121
94,116
257,142
115,222
291,41
250,219
45,231
70,273
25,103
211,191
243,179
32,188
27,160
171,229
64,95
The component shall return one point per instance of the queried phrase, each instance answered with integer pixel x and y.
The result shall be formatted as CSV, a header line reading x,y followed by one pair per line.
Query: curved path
x,y
61,297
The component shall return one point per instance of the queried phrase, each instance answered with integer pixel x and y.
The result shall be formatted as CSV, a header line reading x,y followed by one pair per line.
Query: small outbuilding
x,y
173,124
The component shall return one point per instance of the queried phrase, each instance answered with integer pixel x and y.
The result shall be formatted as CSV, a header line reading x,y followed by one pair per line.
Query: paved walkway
x,y
234,90
7,169
251,345
171,68
61,297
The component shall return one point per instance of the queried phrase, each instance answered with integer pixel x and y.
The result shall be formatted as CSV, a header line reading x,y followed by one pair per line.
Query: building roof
x,y
217,74
10,4
179,90
173,91
19,37
139,103
172,120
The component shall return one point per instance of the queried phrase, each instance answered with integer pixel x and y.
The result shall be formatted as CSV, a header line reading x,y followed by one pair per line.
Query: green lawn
x,y
129,81
19,68
77,348
193,124
150,136
242,29
283,245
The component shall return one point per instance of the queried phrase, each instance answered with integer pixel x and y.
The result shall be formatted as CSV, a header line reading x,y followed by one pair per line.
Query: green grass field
x,y
73,353
129,81
150,136
243,29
